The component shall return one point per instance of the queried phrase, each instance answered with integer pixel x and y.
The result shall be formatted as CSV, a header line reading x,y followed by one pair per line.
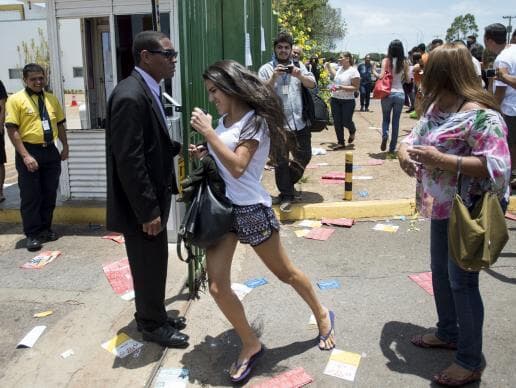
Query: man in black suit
x,y
141,182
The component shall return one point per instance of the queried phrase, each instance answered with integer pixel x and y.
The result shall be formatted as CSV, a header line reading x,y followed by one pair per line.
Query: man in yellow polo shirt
x,y
34,118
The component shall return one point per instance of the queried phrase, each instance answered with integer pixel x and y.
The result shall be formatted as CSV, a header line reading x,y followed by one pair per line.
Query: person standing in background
x,y
34,119
365,69
3,156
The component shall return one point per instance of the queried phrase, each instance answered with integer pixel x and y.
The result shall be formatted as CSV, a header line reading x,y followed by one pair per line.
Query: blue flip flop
x,y
249,364
332,330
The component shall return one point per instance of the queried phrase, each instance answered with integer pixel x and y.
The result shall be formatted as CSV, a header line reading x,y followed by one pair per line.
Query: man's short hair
x,y
437,41
146,40
32,68
472,37
421,47
477,51
284,37
496,32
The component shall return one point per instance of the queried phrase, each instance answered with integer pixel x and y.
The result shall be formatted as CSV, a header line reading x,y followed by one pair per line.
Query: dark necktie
x,y
43,114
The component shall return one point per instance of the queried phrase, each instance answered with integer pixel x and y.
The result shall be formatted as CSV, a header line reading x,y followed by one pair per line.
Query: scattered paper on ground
x,y
363,193
423,280
312,321
510,216
375,162
311,166
253,283
171,378
121,345
31,337
401,218
301,232
308,224
291,379
116,237
321,234
386,228
339,175
318,151
325,181
362,177
347,222
328,284
343,365
119,276
41,260
43,314
241,290
67,353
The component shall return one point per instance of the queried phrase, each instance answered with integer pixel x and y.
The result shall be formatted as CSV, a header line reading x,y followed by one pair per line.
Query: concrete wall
x,y
14,32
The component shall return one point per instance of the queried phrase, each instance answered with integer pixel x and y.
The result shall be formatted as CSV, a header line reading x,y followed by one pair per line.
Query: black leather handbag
x,y
206,221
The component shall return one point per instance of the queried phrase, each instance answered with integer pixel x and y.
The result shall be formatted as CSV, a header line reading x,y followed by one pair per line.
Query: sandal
x,y
330,332
338,146
248,364
419,342
443,379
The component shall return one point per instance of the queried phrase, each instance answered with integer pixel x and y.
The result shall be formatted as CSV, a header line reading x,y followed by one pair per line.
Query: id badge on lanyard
x,y
46,126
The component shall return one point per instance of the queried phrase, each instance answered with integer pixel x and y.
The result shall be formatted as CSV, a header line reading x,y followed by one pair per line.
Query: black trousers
x,y
148,259
342,111
287,171
38,189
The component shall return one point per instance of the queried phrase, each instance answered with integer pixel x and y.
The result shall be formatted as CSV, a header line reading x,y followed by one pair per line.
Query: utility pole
x,y
509,27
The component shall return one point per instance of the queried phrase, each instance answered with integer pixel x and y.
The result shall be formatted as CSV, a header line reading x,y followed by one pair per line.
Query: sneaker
x,y
33,244
383,146
362,109
286,206
48,235
366,110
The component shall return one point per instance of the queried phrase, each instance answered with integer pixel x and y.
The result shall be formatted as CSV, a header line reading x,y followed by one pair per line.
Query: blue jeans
x,y
460,310
392,103
365,95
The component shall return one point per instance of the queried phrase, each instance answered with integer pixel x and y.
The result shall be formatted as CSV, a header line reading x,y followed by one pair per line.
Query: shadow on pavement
x,y
499,276
405,358
209,361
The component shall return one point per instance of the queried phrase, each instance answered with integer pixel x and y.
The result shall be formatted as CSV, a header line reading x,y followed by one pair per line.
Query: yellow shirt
x,y
22,111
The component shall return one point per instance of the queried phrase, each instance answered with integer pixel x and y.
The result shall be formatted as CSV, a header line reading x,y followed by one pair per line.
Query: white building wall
x,y
14,32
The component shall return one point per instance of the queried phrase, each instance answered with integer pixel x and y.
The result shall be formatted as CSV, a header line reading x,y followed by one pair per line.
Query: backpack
x,y
315,110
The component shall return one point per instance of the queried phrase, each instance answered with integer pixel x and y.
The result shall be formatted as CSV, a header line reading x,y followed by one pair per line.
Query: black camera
x,y
287,69
490,73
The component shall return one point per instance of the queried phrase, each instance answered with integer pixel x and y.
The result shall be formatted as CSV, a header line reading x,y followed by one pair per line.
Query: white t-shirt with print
x,y
507,59
246,190
343,78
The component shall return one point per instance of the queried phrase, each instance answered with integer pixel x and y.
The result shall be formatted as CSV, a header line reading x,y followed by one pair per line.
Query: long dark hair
x,y
450,69
236,81
396,50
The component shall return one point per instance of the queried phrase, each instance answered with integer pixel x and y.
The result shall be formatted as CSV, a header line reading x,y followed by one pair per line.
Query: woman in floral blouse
x,y
461,130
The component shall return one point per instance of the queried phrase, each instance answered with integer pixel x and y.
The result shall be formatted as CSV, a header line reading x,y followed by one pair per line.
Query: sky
x,y
372,24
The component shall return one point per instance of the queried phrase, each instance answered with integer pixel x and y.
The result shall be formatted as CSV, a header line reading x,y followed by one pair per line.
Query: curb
x,y
356,210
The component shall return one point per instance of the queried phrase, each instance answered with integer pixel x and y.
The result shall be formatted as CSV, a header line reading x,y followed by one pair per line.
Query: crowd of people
x,y
464,130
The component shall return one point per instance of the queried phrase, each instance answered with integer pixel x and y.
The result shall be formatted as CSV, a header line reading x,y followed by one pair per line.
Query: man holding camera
x,y
504,65
288,80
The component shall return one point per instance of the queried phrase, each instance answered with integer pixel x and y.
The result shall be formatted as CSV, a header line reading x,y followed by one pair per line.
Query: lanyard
x,y
43,114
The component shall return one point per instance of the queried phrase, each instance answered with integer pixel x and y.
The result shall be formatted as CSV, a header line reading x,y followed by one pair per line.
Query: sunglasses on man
x,y
166,53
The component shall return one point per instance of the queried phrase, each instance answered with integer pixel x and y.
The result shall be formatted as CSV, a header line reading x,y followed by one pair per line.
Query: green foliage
x,y
32,52
313,24
461,27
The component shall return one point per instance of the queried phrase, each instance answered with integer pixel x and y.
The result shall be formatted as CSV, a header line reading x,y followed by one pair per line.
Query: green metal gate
x,y
211,30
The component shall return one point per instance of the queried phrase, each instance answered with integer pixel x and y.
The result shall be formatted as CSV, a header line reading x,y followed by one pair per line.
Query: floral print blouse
x,y
479,132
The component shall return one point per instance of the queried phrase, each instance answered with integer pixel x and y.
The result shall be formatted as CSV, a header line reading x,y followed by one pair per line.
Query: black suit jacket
x,y
139,157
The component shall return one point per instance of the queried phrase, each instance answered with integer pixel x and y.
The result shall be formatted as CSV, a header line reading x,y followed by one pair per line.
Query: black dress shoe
x,y
33,244
167,336
49,235
178,323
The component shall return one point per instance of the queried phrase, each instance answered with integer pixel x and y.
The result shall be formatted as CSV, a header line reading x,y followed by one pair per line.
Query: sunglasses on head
x,y
166,53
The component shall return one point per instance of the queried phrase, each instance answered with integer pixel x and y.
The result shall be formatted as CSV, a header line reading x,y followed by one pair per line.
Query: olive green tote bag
x,y
476,238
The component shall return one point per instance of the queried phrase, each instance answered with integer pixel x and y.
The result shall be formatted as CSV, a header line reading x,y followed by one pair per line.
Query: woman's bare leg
x,y
218,264
275,258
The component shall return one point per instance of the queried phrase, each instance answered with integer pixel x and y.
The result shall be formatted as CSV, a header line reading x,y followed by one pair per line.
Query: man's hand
x,y
64,152
152,228
30,163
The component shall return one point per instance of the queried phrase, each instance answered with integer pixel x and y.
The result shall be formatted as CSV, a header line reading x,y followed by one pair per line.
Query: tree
x,y
313,23
461,27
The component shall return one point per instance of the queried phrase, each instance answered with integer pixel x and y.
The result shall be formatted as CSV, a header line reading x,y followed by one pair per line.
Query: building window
x,y
77,72
15,73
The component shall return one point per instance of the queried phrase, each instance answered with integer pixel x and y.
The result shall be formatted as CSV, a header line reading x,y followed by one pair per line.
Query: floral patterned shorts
x,y
254,224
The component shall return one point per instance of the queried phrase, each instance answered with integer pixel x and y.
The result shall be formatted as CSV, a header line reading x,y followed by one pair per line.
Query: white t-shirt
x,y
343,78
246,190
507,59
